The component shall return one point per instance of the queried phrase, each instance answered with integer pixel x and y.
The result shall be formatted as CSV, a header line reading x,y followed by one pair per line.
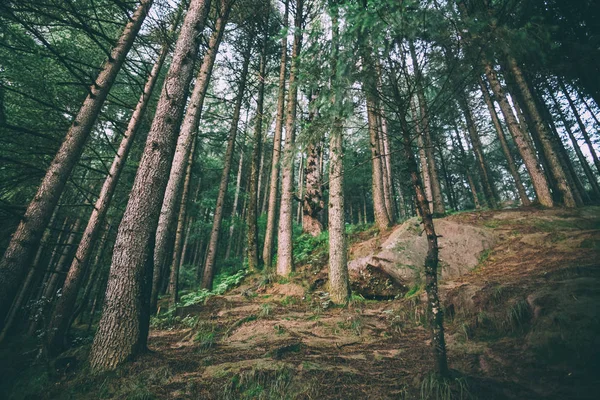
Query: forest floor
x,y
524,323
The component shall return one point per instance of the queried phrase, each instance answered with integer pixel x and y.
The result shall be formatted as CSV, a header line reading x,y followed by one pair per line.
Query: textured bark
x,y
94,273
300,186
267,254
66,303
26,238
285,262
484,172
123,328
436,189
582,128
422,157
512,167
253,190
538,125
189,128
387,157
381,215
538,178
582,160
236,197
339,286
435,314
178,245
218,218
312,196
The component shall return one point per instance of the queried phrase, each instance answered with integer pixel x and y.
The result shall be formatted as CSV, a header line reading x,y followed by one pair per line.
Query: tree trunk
x,y
176,260
512,167
26,239
123,329
235,204
339,286
66,303
267,254
466,170
285,262
436,316
538,125
422,156
253,193
189,128
381,215
582,127
486,179
436,188
538,179
218,218
312,203
582,160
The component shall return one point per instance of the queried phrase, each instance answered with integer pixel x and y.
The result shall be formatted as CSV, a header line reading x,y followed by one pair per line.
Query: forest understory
x,y
522,324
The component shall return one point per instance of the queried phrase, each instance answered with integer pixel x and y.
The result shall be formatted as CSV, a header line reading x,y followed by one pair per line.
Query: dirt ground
x,y
522,323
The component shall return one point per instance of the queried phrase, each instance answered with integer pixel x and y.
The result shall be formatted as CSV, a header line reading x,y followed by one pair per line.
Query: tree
x,y
21,249
123,329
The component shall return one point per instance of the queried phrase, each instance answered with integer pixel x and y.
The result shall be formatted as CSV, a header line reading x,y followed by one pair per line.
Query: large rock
x,y
402,255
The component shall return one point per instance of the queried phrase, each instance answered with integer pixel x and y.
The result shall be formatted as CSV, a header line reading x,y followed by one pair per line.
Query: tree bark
x,y
312,203
436,188
253,193
486,179
538,178
422,157
267,254
512,167
218,218
65,305
123,328
26,238
555,167
285,262
234,212
581,125
189,128
582,160
339,286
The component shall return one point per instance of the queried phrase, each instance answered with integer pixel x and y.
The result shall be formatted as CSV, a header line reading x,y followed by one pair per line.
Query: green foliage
x,y
435,387
311,250
223,283
205,336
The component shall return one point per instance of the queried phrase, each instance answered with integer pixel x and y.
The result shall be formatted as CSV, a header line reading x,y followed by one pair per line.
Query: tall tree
x,y
285,263
123,329
267,254
25,240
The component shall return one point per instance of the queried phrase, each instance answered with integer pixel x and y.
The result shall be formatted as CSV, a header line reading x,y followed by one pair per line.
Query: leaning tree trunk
x,y
253,189
59,323
582,160
484,171
422,156
123,329
339,286
285,262
538,178
234,208
267,254
189,127
218,217
538,125
582,127
177,248
436,188
26,238
434,308
381,215
512,167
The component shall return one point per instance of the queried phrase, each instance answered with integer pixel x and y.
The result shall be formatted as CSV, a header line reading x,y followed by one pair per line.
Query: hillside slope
x,y
522,322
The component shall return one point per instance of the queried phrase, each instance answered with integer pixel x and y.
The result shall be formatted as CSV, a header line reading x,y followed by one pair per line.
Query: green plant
x,y
440,388
265,309
205,336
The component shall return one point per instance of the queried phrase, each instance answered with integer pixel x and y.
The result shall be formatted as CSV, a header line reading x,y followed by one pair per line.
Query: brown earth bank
x,y
520,287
